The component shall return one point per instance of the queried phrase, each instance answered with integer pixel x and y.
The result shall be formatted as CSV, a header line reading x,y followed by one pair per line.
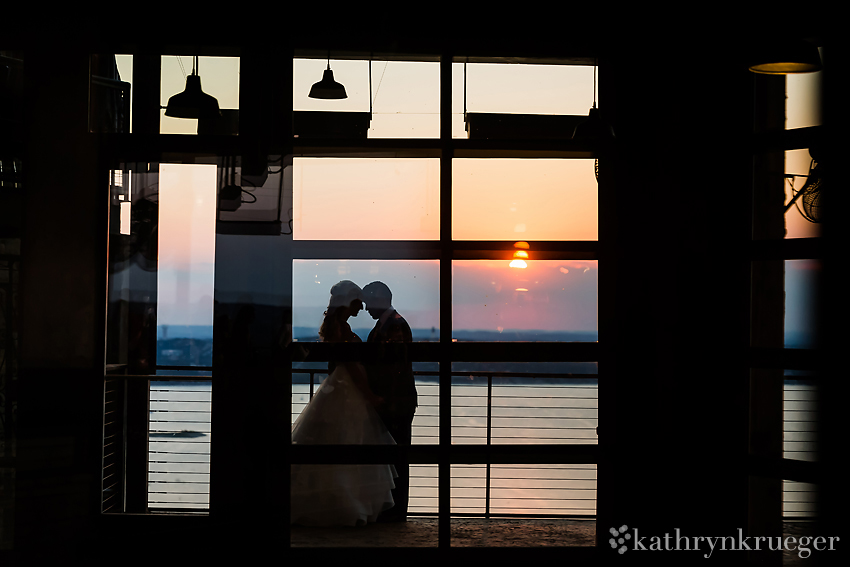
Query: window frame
x,y
769,357
446,249
269,134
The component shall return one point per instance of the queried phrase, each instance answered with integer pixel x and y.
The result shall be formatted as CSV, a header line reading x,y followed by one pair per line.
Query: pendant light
x,y
328,88
594,129
787,57
193,102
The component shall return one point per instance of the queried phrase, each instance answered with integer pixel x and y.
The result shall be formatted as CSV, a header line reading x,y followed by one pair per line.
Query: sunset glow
x,y
187,204
548,295
366,199
797,162
534,199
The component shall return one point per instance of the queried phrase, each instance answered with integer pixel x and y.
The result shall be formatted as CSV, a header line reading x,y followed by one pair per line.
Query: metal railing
x,y
179,444
487,408
499,408
799,442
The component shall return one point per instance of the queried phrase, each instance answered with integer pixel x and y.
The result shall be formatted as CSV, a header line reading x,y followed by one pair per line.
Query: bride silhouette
x,y
342,411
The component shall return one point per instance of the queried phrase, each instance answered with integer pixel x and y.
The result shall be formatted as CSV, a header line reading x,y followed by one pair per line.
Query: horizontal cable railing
x,y
179,444
487,407
494,408
491,407
799,443
113,446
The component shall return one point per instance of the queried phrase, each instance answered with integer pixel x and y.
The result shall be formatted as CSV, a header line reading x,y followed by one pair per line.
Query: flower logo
x,y
619,539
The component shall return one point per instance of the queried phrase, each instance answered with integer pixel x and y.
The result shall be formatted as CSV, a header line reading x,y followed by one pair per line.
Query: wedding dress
x,y
325,495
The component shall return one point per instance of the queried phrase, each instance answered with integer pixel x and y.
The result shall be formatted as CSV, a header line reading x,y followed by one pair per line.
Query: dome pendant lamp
x,y
327,88
193,102
594,129
787,57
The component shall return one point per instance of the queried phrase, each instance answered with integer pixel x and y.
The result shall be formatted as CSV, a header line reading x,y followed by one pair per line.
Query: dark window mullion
x,y
433,249
365,250
538,250
787,249
445,409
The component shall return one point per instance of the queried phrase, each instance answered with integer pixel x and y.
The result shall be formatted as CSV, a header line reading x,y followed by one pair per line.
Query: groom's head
x,y
378,298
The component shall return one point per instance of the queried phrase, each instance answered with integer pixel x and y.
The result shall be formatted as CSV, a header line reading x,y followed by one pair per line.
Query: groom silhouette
x,y
392,379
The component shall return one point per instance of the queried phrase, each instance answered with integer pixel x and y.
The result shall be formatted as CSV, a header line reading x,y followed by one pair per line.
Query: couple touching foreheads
x,y
361,404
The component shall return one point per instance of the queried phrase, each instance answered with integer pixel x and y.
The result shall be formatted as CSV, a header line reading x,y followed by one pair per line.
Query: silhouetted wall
x,y
681,133
61,308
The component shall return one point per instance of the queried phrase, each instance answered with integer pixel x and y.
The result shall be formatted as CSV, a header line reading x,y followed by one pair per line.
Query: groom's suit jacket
x,y
392,377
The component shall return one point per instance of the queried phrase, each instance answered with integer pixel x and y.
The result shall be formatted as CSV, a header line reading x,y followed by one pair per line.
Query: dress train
x,y
352,494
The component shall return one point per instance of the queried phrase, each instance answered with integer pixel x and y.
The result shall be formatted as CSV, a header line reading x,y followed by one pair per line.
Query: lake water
x,y
565,412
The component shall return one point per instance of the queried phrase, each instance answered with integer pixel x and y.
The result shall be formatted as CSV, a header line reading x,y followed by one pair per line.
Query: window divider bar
x,y
447,351
445,362
489,442
434,249
787,249
786,358
463,454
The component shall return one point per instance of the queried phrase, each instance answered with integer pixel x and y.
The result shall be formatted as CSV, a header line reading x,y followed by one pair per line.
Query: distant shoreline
x,y
793,339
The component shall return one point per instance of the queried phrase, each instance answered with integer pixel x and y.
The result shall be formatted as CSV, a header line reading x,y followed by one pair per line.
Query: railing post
x,y
489,438
136,450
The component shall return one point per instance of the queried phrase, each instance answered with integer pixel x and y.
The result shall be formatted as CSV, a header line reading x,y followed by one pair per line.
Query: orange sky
x,y
187,200
398,199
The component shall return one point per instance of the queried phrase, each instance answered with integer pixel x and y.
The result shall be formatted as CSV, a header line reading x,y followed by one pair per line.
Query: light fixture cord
x,y
594,82
464,90
370,86
381,80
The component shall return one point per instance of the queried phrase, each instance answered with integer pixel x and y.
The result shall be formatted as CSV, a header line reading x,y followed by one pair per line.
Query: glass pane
x,y
803,179
366,199
803,99
557,490
179,444
423,489
111,93
405,99
125,72
799,500
132,274
308,376
524,199
186,276
415,287
528,403
801,287
254,204
419,531
549,300
219,78
800,417
520,89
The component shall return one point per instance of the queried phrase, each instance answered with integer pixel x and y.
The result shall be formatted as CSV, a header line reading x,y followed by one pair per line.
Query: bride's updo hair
x,y
346,296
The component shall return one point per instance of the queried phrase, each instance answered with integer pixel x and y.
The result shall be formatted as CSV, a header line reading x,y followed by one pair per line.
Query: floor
x,y
480,533
465,532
